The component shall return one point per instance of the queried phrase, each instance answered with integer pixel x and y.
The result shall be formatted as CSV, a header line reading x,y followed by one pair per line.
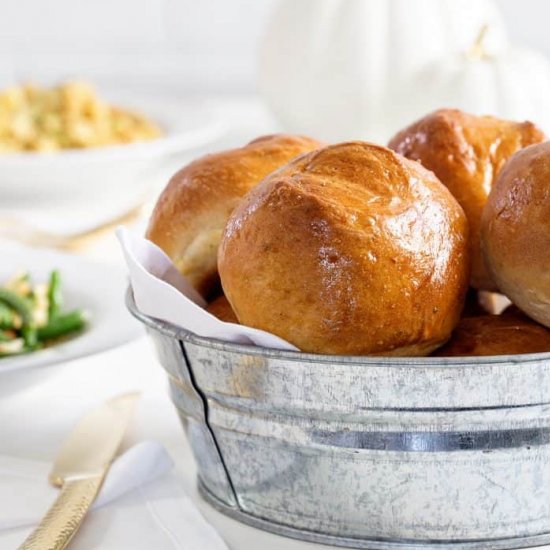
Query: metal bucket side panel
x,y
282,472
190,406
308,464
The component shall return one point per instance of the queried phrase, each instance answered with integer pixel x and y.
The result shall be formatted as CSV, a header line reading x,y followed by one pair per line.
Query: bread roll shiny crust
x,y
191,212
221,309
352,250
506,334
466,153
516,231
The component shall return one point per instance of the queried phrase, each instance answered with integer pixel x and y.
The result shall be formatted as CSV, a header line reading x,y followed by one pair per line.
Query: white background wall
x,y
194,46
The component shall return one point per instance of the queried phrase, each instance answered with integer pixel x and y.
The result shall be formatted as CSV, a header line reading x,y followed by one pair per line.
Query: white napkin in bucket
x,y
161,292
148,504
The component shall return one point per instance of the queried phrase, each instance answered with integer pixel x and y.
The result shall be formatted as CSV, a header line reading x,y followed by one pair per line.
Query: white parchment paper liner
x,y
160,291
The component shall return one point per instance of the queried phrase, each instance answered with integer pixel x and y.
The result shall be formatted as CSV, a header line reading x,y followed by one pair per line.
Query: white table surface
x,y
39,407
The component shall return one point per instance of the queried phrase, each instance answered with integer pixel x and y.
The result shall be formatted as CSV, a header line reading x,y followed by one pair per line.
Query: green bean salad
x,y
31,315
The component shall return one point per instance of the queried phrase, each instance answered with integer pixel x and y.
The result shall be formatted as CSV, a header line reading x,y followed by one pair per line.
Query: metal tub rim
x,y
298,356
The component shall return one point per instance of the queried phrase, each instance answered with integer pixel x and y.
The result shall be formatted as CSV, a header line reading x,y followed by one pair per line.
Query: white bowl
x,y
109,174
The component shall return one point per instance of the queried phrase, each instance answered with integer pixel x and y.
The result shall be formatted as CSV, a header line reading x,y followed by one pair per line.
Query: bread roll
x,y
191,212
351,250
466,153
506,334
221,309
516,231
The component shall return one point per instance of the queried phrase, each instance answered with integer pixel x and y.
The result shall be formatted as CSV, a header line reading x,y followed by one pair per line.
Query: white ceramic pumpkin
x,y
330,68
512,84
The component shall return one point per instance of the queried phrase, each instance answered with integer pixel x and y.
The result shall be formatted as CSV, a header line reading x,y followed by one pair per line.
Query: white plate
x,y
96,288
113,174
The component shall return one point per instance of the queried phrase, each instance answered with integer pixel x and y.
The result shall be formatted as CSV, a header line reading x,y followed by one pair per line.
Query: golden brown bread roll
x,y
221,309
507,334
191,212
466,153
351,249
516,231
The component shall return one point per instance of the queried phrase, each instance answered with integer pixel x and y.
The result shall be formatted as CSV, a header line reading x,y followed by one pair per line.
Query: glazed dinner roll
x,y
221,309
515,231
191,212
352,250
508,334
466,152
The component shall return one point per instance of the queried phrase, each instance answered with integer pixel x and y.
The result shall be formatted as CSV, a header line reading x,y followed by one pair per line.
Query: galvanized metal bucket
x,y
366,452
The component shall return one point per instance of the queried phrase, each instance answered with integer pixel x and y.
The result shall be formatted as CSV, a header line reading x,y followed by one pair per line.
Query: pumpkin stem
x,y
477,51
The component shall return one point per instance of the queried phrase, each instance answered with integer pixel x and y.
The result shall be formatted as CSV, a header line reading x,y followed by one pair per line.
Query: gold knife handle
x,y
65,516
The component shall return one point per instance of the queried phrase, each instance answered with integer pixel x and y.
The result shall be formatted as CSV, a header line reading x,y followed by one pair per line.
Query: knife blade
x,y
79,469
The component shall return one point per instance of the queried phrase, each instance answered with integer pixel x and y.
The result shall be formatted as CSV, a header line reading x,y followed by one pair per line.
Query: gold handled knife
x,y
80,468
